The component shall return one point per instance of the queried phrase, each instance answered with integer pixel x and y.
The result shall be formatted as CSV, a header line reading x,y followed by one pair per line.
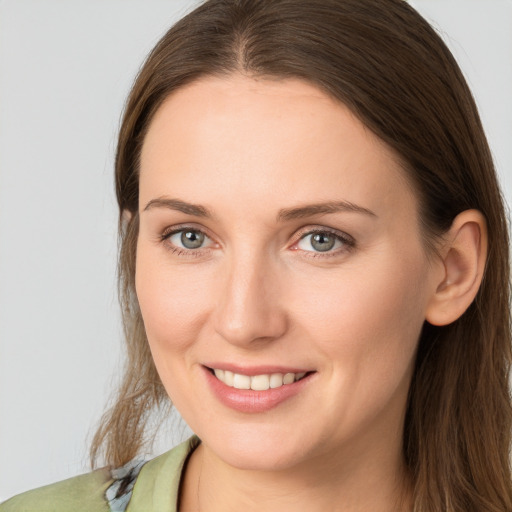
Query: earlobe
x,y
464,257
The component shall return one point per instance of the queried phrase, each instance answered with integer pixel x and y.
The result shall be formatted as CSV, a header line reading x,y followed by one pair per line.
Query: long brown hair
x,y
385,62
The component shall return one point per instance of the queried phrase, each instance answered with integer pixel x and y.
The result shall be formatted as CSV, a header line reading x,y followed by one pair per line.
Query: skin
x,y
258,293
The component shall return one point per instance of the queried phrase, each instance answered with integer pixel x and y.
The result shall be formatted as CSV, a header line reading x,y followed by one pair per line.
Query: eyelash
x,y
166,235
347,241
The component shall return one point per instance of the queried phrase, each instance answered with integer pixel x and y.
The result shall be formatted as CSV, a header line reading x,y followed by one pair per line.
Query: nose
x,y
249,310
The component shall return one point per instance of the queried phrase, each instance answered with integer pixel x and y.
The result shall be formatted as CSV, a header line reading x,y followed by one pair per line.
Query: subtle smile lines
x,y
261,382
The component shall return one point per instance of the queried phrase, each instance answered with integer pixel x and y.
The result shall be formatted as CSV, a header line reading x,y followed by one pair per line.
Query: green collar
x,y
158,483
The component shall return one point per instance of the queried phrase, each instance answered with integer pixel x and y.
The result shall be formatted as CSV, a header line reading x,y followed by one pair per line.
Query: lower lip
x,y
250,401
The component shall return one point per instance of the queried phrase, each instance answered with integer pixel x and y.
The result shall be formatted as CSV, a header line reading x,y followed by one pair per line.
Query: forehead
x,y
262,138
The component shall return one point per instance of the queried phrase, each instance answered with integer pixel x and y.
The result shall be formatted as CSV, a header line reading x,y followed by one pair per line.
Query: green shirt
x,y
156,488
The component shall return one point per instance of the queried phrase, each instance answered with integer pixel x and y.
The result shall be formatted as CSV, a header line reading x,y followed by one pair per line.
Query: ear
x,y
463,255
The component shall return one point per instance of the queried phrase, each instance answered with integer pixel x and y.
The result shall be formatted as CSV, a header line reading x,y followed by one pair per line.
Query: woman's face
x,y
279,243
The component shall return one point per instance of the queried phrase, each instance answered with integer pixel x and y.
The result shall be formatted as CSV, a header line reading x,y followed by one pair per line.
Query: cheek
x,y
172,302
364,324
366,318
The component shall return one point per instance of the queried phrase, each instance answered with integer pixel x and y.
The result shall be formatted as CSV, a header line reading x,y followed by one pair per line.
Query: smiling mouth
x,y
261,382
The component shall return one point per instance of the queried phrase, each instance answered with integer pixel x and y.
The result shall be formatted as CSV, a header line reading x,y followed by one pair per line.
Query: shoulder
x,y
139,486
158,483
84,493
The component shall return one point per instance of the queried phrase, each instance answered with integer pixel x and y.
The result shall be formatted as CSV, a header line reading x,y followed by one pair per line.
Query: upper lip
x,y
256,369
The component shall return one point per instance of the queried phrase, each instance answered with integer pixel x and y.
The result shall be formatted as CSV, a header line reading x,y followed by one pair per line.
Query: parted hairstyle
x,y
390,67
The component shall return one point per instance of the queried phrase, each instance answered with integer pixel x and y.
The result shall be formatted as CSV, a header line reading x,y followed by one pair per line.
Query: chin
x,y
258,458
260,448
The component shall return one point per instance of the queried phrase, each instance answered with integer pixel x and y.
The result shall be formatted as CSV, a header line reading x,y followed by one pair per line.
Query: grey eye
x,y
192,239
319,242
188,239
322,242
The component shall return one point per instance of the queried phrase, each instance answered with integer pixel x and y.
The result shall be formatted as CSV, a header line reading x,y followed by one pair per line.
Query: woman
x,y
313,267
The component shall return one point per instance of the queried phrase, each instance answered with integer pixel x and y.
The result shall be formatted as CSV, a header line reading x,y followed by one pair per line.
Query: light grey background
x,y
65,69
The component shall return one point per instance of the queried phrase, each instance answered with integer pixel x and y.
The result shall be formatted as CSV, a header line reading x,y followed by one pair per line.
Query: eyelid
x,y
171,230
347,240
168,232
308,230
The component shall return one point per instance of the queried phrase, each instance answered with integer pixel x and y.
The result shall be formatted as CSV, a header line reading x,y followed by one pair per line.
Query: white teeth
x,y
260,382
241,381
289,378
257,382
228,378
276,380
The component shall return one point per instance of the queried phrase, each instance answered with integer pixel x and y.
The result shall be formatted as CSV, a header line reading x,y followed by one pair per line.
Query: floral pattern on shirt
x,y
119,493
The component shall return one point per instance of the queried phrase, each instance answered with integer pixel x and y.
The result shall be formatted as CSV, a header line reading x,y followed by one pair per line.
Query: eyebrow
x,y
285,214
322,208
179,205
